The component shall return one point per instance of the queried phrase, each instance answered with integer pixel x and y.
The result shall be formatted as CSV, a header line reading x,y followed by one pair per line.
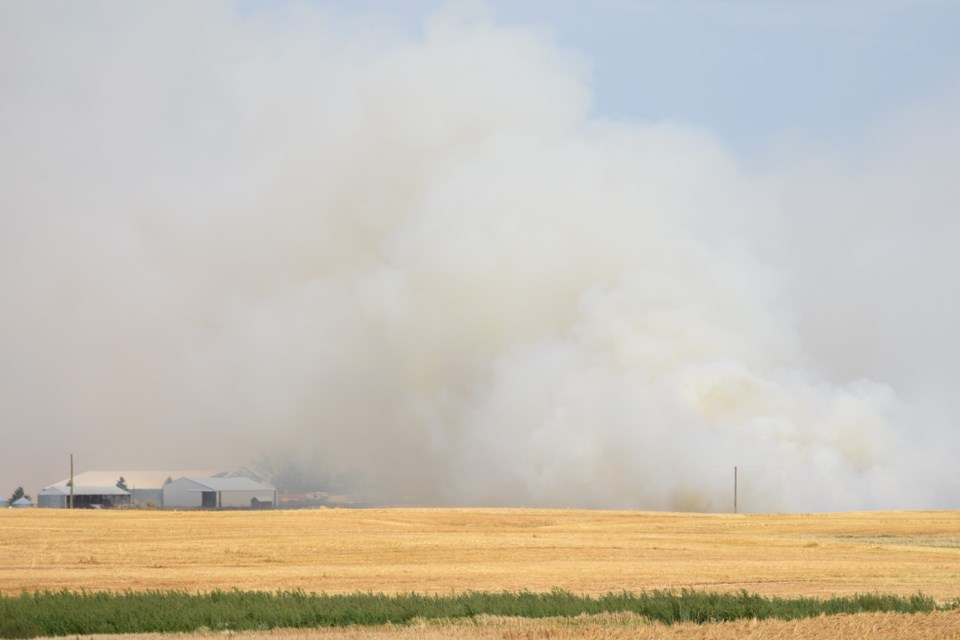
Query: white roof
x,y
231,484
133,479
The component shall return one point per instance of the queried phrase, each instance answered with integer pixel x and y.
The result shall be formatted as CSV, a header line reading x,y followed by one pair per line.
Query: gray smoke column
x,y
419,258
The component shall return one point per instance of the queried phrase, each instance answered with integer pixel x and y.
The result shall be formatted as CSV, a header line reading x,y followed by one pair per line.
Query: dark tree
x,y
17,494
122,484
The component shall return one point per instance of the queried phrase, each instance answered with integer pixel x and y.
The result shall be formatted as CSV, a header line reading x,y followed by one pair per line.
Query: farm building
x,y
219,493
4,503
22,503
144,487
84,497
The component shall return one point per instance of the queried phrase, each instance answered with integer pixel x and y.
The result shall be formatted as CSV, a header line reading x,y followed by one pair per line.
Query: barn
x,y
84,497
144,487
219,493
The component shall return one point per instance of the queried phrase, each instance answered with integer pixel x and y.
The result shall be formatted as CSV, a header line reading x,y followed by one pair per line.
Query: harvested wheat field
x,y
448,550
879,626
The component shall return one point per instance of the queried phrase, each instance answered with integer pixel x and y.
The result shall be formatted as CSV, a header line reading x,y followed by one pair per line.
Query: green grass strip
x,y
66,613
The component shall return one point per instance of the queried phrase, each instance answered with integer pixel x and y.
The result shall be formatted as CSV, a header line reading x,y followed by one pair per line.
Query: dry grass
x,y
445,550
880,626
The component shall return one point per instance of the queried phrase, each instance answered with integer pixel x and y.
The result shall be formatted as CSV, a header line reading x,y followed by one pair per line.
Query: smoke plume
x,y
424,259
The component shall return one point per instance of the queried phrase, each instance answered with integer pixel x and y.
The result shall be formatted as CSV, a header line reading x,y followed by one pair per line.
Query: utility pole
x,y
71,481
735,490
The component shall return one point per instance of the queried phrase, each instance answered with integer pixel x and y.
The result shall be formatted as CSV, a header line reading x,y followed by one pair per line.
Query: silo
x,y
22,503
52,498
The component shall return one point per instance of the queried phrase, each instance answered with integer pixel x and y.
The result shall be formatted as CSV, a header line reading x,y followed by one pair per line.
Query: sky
x,y
558,254
752,71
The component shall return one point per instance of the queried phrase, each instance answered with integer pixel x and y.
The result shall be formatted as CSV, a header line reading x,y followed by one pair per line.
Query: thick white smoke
x,y
419,258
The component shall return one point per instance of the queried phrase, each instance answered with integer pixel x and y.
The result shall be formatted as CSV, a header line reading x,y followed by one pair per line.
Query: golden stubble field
x,y
448,550
883,626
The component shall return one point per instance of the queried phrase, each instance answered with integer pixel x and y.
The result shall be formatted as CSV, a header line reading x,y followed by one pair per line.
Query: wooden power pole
x,y
71,481
735,490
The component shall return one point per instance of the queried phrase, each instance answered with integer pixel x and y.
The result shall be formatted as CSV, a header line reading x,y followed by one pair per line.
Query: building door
x,y
208,499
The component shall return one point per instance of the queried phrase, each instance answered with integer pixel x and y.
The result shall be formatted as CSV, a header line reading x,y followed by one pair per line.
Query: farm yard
x,y
449,551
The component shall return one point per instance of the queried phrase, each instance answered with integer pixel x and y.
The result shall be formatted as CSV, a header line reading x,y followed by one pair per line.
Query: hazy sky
x,y
752,71
505,253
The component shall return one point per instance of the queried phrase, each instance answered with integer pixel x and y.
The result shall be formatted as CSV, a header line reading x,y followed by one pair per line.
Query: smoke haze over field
x,y
428,259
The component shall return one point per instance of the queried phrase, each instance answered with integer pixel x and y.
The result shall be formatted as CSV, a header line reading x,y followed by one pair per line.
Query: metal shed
x,y
219,493
145,487
84,497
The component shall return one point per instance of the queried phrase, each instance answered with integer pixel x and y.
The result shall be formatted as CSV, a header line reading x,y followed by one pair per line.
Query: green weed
x,y
65,613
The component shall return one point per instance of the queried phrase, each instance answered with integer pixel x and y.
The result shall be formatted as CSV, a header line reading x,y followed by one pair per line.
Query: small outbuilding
x,y
84,497
4,503
22,503
219,493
